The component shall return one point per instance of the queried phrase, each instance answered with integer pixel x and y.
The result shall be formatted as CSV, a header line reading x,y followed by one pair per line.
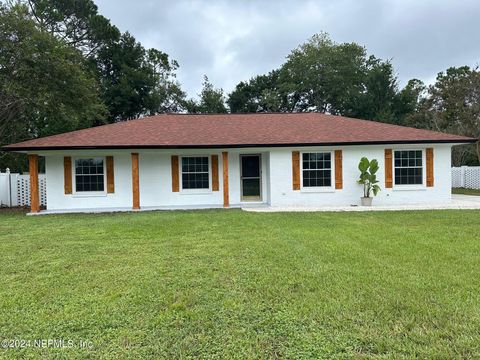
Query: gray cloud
x,y
234,40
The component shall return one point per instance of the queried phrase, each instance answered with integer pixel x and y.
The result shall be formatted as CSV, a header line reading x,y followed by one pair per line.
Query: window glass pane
x,y
195,181
185,164
89,175
408,167
251,187
316,178
195,172
317,169
251,166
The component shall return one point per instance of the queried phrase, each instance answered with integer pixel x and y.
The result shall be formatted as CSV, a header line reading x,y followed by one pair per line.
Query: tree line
x,y
63,66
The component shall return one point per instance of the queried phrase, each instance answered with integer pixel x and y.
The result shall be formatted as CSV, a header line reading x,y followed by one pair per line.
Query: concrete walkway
x,y
458,202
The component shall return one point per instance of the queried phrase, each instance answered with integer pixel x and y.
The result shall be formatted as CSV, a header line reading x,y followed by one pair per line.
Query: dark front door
x,y
251,177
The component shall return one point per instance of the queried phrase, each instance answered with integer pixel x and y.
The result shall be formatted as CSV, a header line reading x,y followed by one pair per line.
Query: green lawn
x,y
464,191
231,284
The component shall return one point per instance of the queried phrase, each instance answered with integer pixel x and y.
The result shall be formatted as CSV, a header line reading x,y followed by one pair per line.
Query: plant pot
x,y
366,201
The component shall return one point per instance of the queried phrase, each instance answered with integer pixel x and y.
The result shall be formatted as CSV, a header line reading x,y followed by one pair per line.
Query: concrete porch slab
x,y
458,202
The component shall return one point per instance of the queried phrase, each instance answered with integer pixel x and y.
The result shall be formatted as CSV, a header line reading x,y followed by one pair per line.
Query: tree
x,y
323,76
212,101
45,85
167,95
137,82
77,22
408,100
124,78
377,99
452,105
259,94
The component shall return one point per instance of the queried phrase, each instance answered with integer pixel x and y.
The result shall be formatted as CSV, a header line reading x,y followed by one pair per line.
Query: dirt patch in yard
x,y
14,210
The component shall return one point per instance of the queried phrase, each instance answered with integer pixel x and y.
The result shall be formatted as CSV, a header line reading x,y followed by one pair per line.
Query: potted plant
x,y
368,179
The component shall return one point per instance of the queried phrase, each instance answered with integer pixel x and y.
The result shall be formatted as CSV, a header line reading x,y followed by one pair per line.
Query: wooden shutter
x,y
296,170
388,169
429,158
338,169
175,182
67,174
215,181
110,176
135,182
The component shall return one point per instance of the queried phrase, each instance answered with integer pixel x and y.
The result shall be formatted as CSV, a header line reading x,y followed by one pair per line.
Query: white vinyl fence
x,y
15,189
466,177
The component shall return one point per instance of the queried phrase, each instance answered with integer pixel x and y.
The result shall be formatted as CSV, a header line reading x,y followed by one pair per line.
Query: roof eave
x,y
222,146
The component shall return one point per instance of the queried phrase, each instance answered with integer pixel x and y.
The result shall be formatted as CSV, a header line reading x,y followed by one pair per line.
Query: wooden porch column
x,y
135,182
34,197
225,179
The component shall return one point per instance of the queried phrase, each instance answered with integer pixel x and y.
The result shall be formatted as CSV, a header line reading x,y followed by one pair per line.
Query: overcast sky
x,y
234,40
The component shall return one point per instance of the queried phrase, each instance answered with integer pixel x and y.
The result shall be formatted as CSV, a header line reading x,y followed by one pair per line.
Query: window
x,y
317,169
408,167
89,175
195,172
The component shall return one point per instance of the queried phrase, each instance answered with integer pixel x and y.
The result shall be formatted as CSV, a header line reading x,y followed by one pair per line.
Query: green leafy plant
x,y
368,178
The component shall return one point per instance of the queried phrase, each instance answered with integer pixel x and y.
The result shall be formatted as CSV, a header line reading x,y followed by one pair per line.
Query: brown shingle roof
x,y
237,130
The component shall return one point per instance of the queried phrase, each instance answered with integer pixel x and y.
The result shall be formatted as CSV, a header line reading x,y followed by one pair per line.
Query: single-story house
x,y
228,160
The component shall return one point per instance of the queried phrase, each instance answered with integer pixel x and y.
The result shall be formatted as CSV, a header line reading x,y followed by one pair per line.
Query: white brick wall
x,y
156,179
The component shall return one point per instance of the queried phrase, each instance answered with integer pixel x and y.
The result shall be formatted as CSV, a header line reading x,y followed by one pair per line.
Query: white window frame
x,y
421,186
74,177
330,188
195,191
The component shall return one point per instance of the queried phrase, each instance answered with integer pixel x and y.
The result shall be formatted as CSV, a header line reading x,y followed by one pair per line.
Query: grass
x,y
464,191
231,284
